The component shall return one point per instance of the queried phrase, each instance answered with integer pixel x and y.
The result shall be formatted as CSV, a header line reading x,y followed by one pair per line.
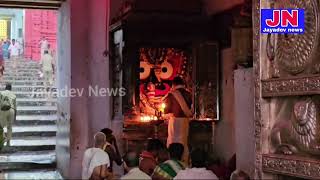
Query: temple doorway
x,y
28,34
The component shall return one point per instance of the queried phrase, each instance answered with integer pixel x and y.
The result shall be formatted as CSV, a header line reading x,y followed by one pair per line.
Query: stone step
x,y
36,102
40,134
26,87
22,65
30,143
23,120
21,71
34,94
15,149
10,66
22,61
20,82
34,174
36,110
19,78
41,108
36,130
23,68
21,74
34,91
34,122
28,160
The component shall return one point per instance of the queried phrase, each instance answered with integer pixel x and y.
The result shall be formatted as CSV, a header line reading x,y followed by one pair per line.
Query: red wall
x,y
38,24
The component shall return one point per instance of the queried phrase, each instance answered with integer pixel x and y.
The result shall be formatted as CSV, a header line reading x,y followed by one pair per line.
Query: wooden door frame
x,y
268,165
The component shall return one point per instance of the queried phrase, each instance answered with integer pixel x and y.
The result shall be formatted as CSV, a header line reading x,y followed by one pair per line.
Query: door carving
x,y
287,95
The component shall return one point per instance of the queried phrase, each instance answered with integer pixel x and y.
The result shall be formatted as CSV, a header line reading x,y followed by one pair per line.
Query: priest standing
x,y
178,108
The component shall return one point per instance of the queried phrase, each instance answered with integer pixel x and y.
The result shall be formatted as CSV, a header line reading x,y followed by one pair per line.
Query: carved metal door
x,y
287,96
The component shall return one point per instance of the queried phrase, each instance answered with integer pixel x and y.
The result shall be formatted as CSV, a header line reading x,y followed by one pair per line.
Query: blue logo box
x,y
282,21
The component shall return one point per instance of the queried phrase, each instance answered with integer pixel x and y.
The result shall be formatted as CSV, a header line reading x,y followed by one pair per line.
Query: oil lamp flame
x,y
148,118
162,107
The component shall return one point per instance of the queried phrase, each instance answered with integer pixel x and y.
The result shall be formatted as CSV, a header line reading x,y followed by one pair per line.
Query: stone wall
x,y
83,38
224,130
244,126
64,80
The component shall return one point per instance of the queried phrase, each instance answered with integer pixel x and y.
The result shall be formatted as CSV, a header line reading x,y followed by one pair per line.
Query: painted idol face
x,y
158,67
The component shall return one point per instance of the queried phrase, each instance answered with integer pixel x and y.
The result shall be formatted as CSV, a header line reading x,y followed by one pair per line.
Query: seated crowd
x,y
156,162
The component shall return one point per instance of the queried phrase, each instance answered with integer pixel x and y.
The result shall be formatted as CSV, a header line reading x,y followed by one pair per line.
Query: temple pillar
x,y
82,42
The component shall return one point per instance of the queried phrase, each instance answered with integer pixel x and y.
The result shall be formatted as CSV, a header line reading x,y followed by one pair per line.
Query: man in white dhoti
x,y
8,115
178,104
96,161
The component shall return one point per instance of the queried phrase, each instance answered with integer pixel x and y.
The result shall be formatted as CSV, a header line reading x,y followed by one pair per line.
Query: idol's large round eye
x,y
166,70
145,69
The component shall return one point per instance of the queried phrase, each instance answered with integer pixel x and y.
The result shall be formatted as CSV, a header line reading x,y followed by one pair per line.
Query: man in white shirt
x,y
47,68
131,166
44,45
198,170
14,49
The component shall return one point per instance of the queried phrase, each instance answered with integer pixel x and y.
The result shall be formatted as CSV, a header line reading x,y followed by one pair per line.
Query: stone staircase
x,y
32,149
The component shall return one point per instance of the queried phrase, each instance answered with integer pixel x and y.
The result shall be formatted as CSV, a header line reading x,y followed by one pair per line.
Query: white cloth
x,y
93,157
14,49
135,174
47,62
195,173
178,127
178,130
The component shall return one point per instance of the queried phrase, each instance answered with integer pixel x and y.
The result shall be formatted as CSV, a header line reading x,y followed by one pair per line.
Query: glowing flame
x,y
163,107
148,118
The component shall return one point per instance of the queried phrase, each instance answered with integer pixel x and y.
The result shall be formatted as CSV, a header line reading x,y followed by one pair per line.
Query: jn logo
x,y
285,21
